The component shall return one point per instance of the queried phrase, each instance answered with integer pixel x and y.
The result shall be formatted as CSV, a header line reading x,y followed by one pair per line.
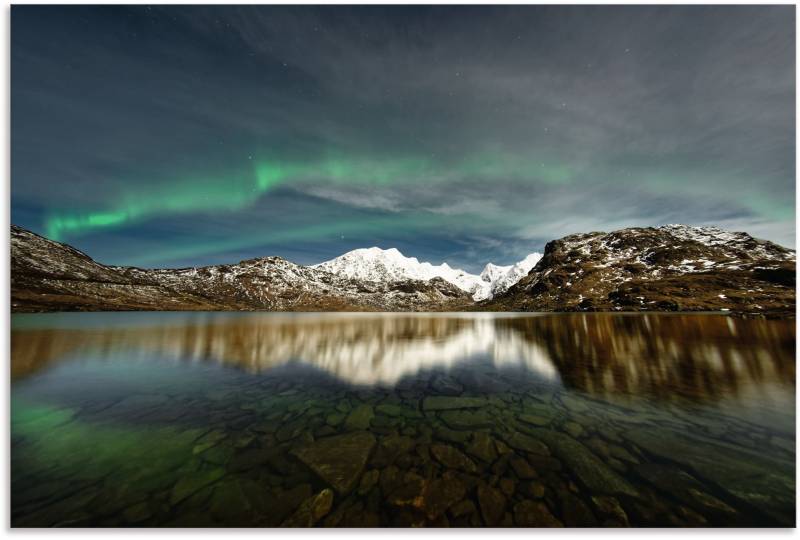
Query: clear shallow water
x,y
209,419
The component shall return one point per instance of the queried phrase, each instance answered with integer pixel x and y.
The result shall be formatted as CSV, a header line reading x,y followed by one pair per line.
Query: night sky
x,y
177,136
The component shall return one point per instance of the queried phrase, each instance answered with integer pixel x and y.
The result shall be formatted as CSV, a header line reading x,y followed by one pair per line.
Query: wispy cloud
x,y
509,125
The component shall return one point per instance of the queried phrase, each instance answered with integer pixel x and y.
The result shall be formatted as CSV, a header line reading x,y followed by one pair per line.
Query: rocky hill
x,y
669,268
50,276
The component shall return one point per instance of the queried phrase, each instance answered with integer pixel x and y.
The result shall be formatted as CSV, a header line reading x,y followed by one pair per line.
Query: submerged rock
x,y
397,411
522,468
610,508
442,493
767,484
463,508
452,435
389,479
442,403
534,419
209,440
409,492
507,486
575,512
359,418
574,403
334,419
529,513
586,466
535,489
620,453
191,483
684,487
492,504
446,386
452,458
390,448
535,413
229,502
251,458
519,441
482,447
137,513
281,504
338,460
311,511
467,419
574,429
368,480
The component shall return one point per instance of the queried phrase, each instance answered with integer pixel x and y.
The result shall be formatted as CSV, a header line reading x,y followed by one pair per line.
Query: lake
x,y
364,420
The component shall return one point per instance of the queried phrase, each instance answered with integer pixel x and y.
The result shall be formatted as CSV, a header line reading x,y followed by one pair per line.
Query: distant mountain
x,y
502,278
669,268
389,265
50,276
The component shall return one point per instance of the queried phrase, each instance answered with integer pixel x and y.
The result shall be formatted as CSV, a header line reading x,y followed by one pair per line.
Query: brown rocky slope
x,y
50,276
669,268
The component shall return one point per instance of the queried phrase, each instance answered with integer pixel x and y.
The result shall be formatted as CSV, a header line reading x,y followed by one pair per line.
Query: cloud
x,y
378,199
491,129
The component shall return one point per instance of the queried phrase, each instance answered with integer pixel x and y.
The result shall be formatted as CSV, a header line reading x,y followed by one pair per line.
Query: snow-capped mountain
x,y
50,276
669,268
503,277
389,265
492,272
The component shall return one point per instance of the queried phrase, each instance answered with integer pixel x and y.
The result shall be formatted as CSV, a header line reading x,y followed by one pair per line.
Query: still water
x,y
348,420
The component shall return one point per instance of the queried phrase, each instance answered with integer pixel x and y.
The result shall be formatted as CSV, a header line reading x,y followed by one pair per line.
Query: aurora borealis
x,y
186,135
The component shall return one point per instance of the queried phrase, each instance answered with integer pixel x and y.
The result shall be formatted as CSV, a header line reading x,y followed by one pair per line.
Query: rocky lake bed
x,y
113,440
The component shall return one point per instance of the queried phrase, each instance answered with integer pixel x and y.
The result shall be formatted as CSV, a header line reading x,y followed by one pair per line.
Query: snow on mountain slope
x,y
50,276
388,265
666,268
511,274
492,272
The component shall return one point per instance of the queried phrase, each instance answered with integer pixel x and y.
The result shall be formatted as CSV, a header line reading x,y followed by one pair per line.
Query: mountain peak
x,y
492,272
389,265
666,268
378,250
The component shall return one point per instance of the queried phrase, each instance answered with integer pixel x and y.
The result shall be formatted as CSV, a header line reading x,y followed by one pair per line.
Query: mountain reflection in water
x,y
251,419
690,356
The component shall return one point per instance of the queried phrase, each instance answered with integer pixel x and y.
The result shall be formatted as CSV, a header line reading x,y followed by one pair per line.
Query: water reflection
x,y
696,356
701,356
401,420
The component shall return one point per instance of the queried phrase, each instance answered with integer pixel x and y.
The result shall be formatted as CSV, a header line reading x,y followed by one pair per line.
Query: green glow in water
x,y
55,436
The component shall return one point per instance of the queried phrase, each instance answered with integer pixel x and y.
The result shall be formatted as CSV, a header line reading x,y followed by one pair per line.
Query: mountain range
x,y
389,265
669,268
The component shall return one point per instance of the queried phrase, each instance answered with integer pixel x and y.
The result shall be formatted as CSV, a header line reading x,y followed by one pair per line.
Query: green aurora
x,y
185,136
233,192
